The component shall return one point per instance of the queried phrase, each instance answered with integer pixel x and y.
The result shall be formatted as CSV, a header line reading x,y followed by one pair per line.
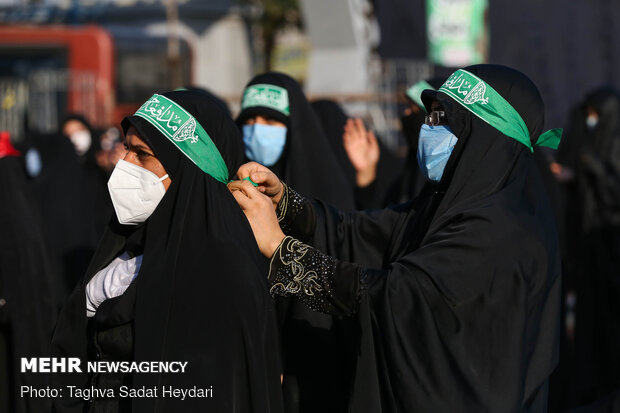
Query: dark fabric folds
x,y
592,366
309,165
28,303
462,304
201,294
333,119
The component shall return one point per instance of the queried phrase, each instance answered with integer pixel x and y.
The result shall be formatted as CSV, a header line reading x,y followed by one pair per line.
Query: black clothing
x,y
27,300
307,163
94,190
333,119
457,295
111,338
201,293
63,195
594,244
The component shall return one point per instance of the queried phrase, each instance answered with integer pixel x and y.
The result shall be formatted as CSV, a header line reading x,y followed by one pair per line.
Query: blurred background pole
x,y
174,44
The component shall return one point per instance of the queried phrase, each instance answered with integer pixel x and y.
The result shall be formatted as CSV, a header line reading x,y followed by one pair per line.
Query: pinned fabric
x,y
482,100
201,295
271,96
182,129
415,92
247,178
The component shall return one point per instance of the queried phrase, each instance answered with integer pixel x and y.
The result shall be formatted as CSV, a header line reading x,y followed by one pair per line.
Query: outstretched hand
x,y
258,208
268,182
363,151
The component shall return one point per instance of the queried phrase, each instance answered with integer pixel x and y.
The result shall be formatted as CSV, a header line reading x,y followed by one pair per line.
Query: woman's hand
x,y
363,151
268,182
258,209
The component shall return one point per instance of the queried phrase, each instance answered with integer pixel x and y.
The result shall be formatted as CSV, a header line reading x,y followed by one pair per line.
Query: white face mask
x,y
135,192
81,141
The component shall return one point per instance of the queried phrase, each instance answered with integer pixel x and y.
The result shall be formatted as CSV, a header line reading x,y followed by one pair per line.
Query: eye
x,y
125,146
142,155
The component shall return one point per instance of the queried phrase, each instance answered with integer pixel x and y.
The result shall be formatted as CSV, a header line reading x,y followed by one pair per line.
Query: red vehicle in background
x,y
48,71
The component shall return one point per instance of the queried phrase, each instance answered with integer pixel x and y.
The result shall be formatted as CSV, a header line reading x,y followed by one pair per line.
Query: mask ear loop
x,y
163,178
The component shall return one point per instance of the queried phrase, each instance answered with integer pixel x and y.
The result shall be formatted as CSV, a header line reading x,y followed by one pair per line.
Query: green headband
x,y
483,101
182,129
415,92
273,97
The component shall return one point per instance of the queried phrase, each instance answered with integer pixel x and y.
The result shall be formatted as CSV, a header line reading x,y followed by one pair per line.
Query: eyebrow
x,y
139,146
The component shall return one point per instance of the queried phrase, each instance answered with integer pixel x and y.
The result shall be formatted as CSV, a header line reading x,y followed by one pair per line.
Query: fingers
x,y
243,201
261,177
248,190
247,168
248,196
355,133
372,140
359,127
349,135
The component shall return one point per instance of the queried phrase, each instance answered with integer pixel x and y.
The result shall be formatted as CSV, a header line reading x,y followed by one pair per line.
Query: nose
x,y
130,157
261,120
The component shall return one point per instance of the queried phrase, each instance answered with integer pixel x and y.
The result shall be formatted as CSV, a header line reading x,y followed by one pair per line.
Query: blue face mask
x,y
264,143
434,148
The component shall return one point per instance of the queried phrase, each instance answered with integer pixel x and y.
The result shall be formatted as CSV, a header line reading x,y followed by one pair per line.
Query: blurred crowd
x,y
55,206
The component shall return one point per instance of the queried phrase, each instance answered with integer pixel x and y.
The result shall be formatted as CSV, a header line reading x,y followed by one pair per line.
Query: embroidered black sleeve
x,y
319,281
295,214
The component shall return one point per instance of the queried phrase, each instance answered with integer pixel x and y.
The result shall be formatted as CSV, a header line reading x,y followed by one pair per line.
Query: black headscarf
x,y
201,293
464,302
94,190
309,165
28,308
594,235
308,162
599,174
64,197
333,119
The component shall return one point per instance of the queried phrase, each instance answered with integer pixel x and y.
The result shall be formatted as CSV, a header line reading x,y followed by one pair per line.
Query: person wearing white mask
x,y
177,275
77,129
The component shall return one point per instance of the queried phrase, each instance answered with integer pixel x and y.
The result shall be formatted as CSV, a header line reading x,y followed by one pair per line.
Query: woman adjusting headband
x,y
457,294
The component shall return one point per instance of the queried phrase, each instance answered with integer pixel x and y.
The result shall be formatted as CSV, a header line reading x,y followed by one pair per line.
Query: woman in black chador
x,y
177,276
457,295
281,131
28,304
594,239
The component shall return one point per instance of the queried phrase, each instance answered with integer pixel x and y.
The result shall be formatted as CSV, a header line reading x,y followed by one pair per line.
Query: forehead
x,y
132,138
73,125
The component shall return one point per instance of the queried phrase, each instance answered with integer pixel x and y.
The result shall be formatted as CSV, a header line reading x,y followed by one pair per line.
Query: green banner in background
x,y
457,32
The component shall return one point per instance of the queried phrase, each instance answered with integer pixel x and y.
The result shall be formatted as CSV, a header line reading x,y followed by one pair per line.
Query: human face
x,y
141,154
264,120
72,126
